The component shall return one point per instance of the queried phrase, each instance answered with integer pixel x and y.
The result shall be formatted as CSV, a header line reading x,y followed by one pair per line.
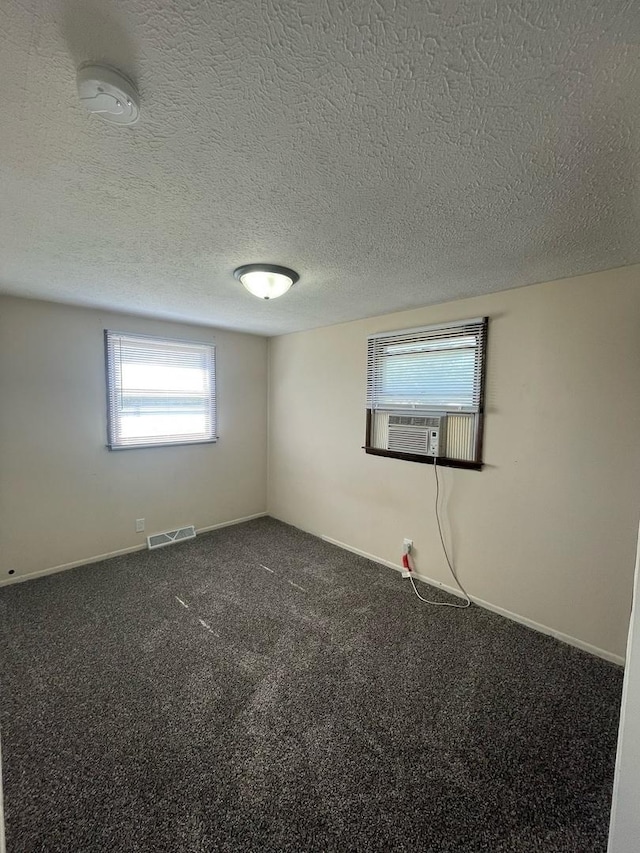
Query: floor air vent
x,y
159,540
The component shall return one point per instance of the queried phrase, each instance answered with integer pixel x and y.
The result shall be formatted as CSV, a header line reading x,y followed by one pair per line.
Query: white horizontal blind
x,y
159,391
437,368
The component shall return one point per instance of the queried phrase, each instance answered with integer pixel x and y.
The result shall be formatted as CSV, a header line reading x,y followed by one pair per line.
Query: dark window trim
x,y
443,462
483,381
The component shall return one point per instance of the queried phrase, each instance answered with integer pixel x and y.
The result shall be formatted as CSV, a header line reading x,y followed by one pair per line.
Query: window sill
x,y
443,462
164,444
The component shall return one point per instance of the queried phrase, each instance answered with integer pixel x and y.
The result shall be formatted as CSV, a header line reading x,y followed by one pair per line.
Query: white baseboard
x,y
99,557
85,561
233,521
515,617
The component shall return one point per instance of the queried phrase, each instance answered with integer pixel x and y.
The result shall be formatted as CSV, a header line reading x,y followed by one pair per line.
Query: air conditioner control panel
x,y
433,441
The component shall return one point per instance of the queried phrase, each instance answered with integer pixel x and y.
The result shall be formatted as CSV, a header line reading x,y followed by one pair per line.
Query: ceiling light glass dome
x,y
266,281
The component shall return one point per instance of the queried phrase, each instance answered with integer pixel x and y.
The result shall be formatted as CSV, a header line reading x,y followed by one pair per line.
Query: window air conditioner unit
x,y
422,434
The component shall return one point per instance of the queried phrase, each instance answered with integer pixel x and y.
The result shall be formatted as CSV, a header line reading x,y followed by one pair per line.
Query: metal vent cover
x,y
170,537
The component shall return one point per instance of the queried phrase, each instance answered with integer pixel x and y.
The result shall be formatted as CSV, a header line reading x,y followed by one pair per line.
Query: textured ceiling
x,y
395,153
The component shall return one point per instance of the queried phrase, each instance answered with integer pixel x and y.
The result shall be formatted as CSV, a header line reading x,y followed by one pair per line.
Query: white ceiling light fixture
x,y
266,281
108,94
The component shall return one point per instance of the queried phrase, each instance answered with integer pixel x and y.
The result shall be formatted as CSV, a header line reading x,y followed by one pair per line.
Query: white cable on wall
x,y
467,603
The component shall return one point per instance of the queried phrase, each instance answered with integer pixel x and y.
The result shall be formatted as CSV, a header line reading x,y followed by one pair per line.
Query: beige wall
x,y
63,496
547,529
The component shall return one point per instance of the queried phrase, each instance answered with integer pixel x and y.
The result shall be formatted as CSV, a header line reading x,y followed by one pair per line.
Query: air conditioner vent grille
x,y
412,420
407,440
410,432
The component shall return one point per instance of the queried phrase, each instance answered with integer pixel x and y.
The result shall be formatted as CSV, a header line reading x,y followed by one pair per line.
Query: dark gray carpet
x,y
317,707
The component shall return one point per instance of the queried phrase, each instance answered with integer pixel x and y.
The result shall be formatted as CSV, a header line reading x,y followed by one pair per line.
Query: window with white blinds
x,y
431,370
159,391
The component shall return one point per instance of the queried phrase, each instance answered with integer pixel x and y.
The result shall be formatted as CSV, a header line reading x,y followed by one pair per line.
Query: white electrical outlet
x,y
407,544
139,525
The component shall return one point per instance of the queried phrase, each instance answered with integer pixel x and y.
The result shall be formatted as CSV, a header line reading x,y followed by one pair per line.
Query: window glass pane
x,y
429,378
160,391
160,377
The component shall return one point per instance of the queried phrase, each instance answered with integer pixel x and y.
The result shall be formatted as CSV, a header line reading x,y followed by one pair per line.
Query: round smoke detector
x,y
108,94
